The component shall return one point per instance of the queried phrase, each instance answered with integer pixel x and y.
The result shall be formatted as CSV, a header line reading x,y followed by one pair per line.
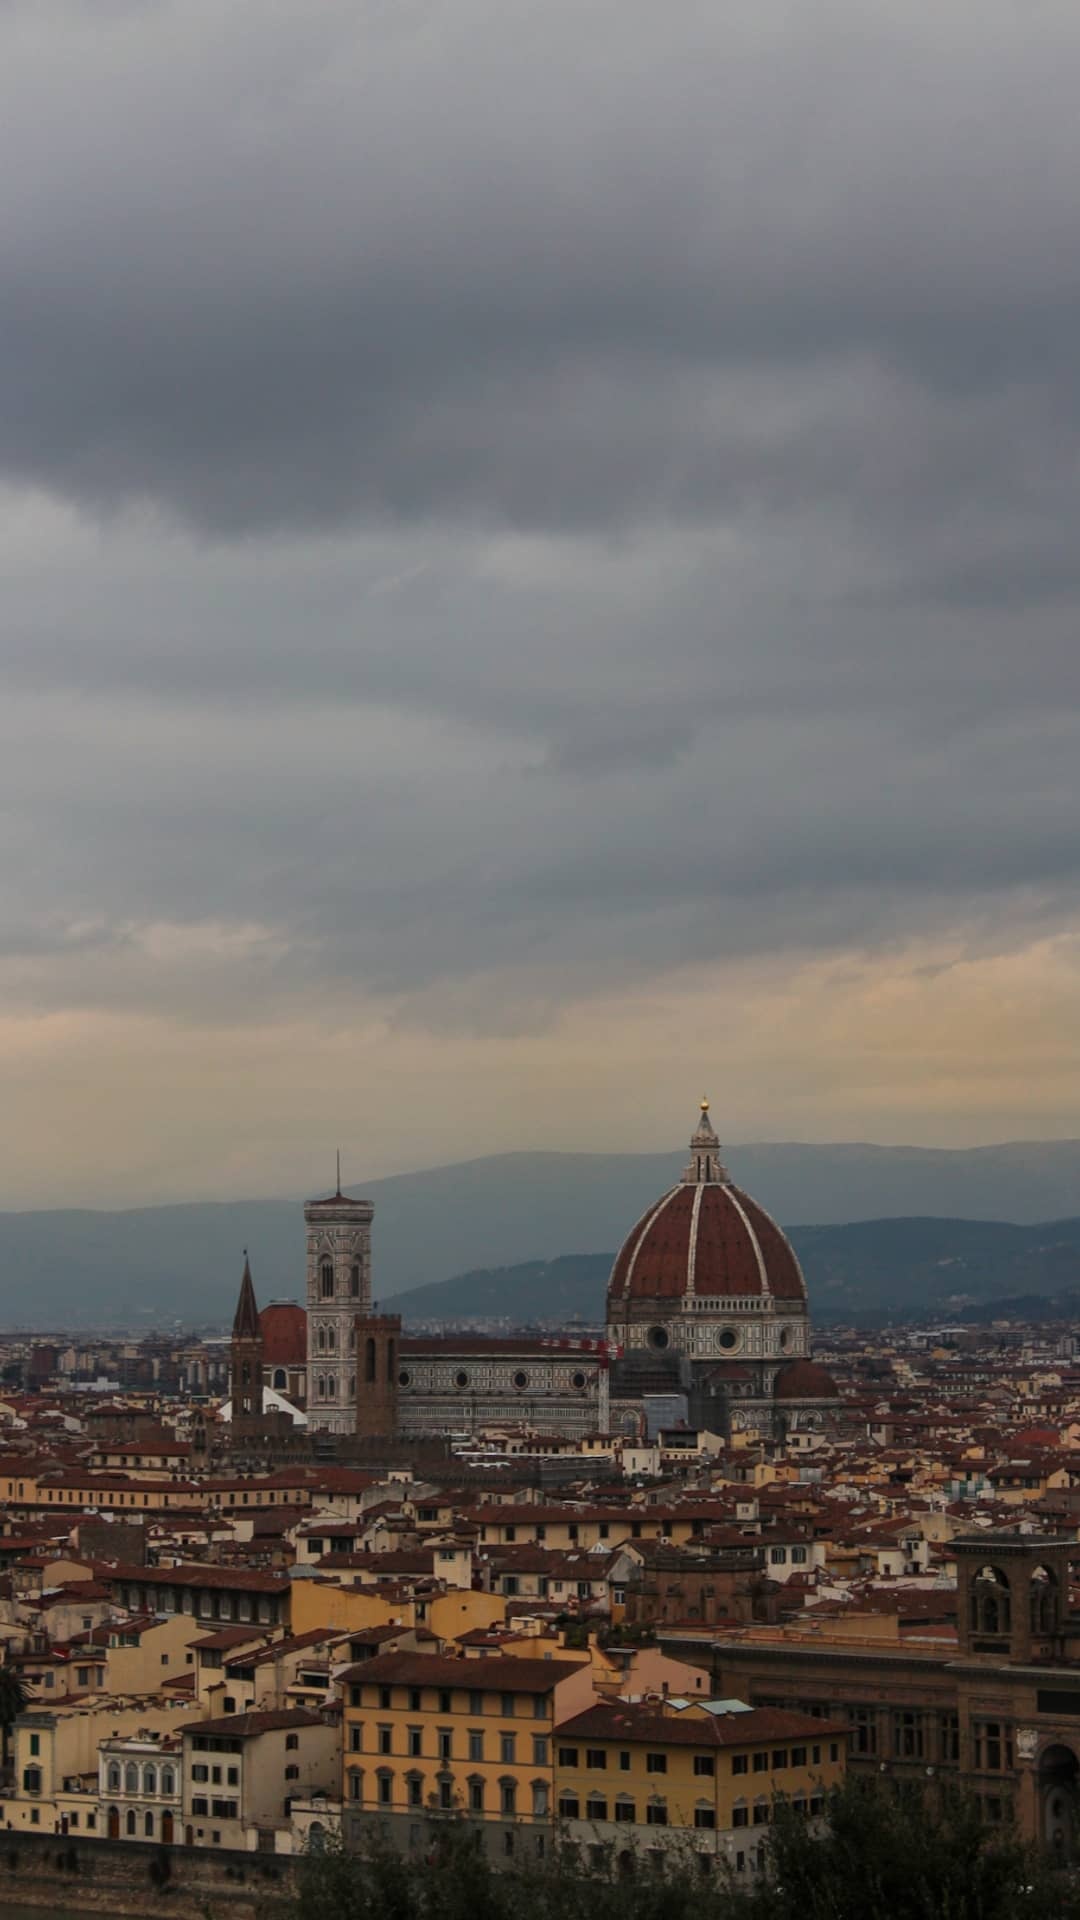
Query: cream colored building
x,y
243,1771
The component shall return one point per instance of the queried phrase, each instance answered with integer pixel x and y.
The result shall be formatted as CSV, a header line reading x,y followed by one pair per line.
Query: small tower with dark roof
x,y
246,1357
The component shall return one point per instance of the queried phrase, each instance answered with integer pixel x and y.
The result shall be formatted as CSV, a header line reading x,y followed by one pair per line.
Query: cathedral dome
x,y
805,1380
284,1335
704,1241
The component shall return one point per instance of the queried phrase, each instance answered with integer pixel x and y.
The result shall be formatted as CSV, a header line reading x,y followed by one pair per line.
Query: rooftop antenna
x,y
338,1188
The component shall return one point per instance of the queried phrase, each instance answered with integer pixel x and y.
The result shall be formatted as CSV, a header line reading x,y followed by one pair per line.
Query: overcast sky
x,y
541,578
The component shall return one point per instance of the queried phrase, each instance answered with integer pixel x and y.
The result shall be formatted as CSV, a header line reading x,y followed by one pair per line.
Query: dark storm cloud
x,y
557,492
298,266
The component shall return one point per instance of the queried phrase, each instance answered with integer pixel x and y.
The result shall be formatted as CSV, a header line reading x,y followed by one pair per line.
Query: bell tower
x,y
246,1358
338,1289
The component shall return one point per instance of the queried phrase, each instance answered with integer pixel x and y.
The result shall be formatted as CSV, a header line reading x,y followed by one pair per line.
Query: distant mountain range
x,y
155,1266
871,1269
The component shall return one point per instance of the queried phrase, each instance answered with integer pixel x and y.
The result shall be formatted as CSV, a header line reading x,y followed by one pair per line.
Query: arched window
x,y
281,1379
148,1825
391,1363
130,1821
149,1780
991,1607
354,1282
1043,1597
331,1340
352,1386
331,1387
245,1373
352,1339
320,1386
114,1776
168,1780
326,1279
369,1358
539,1799
131,1778
320,1339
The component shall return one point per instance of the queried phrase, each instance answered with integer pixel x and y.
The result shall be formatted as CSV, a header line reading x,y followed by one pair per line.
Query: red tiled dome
x,y
284,1334
705,1238
713,1241
805,1380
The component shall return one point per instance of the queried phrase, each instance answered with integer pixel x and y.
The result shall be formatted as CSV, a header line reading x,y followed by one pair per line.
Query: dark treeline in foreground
x,y
887,1855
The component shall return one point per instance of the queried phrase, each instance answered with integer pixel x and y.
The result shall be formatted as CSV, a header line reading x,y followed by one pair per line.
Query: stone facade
x,y
338,1288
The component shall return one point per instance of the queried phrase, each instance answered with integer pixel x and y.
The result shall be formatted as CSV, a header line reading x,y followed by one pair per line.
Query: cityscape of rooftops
x,y
539,960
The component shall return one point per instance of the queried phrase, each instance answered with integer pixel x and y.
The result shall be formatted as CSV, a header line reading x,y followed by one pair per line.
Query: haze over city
x,y
540,583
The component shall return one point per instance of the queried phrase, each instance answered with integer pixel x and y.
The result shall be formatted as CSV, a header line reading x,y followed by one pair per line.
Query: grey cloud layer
x,y
288,266
564,492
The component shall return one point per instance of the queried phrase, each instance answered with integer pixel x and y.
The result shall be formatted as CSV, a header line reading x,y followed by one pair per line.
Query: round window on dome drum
x,y
729,1339
461,1378
521,1379
577,1380
658,1338
404,1378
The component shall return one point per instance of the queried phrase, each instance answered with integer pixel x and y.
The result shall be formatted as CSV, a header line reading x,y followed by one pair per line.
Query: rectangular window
x,y
596,1758
740,1763
507,1706
908,1735
761,1814
386,1789
539,1750
704,1765
740,1817
356,1739
864,1730
596,1807
416,1791
568,1756
476,1744
386,1739
414,1699
949,1739
798,1756
569,1806
355,1784
507,1746
656,1763
656,1813
416,1742
761,1763
476,1701
625,1809
704,1817
445,1740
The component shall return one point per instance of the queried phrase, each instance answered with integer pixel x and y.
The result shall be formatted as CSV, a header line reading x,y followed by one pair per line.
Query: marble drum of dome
x,y
706,1274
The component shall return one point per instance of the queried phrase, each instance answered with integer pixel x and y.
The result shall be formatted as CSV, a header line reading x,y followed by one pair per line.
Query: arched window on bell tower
x,y
326,1279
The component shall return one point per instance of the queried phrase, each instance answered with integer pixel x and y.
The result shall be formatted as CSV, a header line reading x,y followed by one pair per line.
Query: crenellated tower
x,y
338,1289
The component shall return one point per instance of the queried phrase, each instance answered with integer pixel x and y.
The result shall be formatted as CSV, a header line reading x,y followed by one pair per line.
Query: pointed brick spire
x,y
246,1324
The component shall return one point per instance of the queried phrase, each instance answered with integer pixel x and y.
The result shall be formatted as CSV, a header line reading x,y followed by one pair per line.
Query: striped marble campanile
x,y
338,1288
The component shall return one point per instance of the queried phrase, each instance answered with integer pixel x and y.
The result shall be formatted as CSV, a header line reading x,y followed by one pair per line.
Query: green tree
x,y
13,1698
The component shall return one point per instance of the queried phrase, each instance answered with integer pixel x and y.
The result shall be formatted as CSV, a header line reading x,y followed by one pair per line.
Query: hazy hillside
x,y
867,1268
155,1265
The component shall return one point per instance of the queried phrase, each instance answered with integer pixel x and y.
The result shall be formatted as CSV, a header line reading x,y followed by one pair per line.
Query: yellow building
x,y
433,1734
642,1778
